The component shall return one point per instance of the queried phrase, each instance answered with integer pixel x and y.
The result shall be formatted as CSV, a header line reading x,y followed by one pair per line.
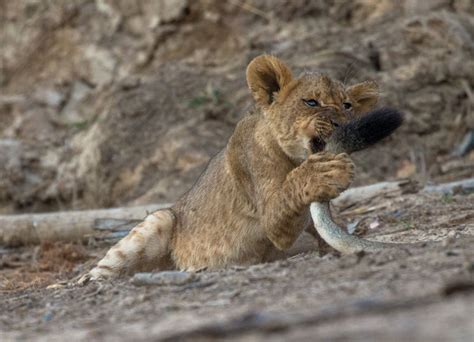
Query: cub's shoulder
x,y
244,130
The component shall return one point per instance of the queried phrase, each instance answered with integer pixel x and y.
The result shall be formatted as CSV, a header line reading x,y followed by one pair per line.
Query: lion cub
x,y
253,199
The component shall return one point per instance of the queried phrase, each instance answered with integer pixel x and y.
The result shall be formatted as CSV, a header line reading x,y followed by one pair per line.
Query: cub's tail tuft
x,y
365,131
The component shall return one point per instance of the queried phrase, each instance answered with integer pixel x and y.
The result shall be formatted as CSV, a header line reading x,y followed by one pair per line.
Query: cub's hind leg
x,y
305,243
146,247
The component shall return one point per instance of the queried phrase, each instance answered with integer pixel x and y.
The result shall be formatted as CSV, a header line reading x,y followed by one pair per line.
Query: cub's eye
x,y
311,103
347,105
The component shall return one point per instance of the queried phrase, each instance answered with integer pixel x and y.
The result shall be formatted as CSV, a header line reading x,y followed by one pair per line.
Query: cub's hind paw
x,y
96,274
84,280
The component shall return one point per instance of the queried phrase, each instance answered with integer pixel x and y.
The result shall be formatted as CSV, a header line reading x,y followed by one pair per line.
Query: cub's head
x,y
303,112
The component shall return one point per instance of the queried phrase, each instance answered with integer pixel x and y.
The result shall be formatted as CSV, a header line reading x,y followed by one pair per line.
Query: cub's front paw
x,y
323,176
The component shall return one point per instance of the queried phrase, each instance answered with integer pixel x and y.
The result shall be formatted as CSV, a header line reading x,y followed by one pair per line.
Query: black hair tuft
x,y
365,131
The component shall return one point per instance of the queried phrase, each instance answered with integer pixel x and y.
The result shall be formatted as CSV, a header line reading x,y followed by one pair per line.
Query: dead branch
x,y
362,194
357,195
27,229
462,186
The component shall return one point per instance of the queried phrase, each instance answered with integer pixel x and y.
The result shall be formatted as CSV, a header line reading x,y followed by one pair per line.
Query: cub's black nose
x,y
317,144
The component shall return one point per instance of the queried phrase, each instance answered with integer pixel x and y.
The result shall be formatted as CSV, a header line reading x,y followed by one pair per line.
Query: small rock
x,y
238,268
50,97
71,113
48,316
452,253
102,65
448,241
130,82
374,224
453,234
458,286
10,152
165,11
166,278
360,254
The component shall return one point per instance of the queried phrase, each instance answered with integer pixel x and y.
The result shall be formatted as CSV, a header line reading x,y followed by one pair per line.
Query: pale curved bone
x,y
337,237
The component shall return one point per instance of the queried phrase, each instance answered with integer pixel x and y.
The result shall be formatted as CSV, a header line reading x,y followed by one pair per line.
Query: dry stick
x,y
462,186
27,229
357,195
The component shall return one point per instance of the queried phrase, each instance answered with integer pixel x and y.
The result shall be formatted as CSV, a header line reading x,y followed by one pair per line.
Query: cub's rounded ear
x,y
364,96
267,75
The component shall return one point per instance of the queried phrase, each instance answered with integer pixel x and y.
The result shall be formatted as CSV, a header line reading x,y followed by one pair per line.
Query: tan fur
x,y
252,202
364,96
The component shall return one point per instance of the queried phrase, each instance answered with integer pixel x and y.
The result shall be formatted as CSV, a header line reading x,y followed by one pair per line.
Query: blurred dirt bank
x,y
106,103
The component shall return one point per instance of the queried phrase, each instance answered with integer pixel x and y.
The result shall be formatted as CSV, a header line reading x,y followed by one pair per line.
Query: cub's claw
x,y
84,280
323,176
96,274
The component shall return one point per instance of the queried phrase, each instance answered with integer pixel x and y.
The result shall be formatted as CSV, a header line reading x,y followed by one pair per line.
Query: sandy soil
x,y
421,293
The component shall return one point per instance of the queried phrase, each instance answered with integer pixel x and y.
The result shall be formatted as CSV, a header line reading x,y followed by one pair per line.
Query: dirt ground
x,y
421,293
112,103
